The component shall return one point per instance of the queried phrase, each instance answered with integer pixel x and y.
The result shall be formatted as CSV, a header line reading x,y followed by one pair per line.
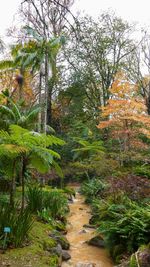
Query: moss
x,y
34,253
48,244
40,230
60,239
54,261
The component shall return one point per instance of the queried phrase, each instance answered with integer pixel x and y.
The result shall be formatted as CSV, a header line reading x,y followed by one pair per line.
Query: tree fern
x,y
31,148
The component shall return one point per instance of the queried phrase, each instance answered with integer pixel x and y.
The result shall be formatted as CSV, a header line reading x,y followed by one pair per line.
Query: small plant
x,y
56,202
54,261
21,227
34,196
20,223
45,215
133,262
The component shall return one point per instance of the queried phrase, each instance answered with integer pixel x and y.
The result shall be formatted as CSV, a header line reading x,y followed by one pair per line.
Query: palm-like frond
x,y
34,146
11,150
88,149
9,112
4,136
32,115
58,169
14,114
15,108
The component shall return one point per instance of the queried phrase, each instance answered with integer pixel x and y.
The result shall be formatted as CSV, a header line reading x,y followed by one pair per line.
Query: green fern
x,y
34,147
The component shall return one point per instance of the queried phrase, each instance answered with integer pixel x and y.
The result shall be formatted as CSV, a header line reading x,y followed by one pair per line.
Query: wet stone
x,y
83,231
57,250
89,226
82,264
65,255
97,241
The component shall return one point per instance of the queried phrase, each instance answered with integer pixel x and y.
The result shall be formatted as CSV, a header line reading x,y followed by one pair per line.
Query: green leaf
x,y
58,169
8,111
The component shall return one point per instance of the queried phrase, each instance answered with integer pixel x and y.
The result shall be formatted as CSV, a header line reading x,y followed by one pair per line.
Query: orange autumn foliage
x,y
125,114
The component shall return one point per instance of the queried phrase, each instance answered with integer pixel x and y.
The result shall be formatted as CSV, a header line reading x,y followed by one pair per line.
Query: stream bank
x,y
82,254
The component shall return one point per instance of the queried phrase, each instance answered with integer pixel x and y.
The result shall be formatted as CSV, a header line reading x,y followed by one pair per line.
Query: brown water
x,y
80,251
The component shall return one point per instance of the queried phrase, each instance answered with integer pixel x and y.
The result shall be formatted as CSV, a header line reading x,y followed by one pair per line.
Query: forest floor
x,y
31,255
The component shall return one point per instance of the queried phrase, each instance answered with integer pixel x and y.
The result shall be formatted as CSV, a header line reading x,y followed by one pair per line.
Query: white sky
x,y
130,10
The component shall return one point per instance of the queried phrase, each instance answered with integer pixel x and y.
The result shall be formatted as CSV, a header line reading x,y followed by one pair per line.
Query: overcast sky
x,y
131,10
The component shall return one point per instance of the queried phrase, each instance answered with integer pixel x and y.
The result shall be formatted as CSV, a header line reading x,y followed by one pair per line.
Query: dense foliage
x,y
75,107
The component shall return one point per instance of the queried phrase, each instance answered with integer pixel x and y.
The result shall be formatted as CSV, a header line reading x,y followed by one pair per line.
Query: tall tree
x,y
139,68
94,56
49,19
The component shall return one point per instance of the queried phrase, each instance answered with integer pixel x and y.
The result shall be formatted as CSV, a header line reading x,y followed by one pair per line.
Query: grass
x,y
34,254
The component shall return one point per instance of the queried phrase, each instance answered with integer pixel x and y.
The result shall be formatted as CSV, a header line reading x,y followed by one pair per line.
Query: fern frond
x,y
58,169
6,110
33,115
11,150
4,135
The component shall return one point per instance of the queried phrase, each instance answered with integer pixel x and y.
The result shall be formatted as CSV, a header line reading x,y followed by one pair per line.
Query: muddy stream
x,y
83,255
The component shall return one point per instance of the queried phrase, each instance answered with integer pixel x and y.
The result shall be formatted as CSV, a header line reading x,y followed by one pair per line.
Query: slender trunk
x,y
40,101
148,104
20,81
52,84
13,184
23,182
46,92
49,102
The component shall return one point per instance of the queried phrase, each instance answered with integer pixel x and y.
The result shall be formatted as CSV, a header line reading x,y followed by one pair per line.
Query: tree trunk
x,y
40,102
23,182
13,184
49,102
148,102
51,86
46,93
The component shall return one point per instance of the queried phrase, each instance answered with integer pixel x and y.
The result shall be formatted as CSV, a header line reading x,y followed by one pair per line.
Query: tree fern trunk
x,y
13,184
24,163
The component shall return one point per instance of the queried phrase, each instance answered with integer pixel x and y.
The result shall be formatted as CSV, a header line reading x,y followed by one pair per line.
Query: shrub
x,y
92,189
20,223
4,198
45,215
135,187
143,170
50,204
126,223
35,196
56,202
